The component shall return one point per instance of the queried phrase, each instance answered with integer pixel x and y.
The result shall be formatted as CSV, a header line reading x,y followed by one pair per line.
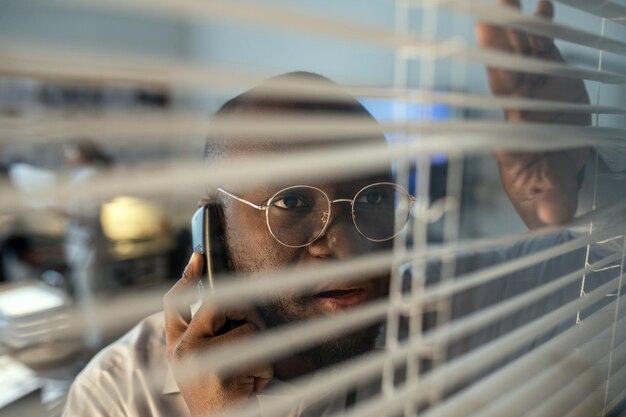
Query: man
x,y
140,374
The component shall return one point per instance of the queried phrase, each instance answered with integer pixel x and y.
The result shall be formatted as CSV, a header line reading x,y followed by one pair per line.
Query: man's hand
x,y
543,185
187,338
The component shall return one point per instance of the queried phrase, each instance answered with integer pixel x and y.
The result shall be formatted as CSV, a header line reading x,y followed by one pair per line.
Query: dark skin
x,y
209,393
341,240
541,186
253,249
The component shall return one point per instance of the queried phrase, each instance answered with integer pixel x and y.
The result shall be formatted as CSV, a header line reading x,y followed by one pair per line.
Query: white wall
x,y
76,27
274,50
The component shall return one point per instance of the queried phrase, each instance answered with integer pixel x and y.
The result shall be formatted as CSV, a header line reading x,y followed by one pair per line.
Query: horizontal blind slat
x,y
514,62
240,355
266,15
554,391
261,288
39,61
315,333
464,326
605,8
473,362
589,407
447,375
283,128
617,380
513,18
416,48
182,177
243,290
492,102
552,406
435,138
477,394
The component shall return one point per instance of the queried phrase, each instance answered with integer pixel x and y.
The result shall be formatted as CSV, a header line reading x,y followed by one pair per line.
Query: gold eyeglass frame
x,y
328,213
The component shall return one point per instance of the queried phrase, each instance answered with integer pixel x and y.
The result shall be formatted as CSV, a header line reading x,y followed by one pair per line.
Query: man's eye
x,y
289,202
371,197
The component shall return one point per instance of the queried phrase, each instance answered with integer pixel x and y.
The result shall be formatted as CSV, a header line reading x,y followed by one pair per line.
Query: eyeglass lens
x,y
297,215
376,209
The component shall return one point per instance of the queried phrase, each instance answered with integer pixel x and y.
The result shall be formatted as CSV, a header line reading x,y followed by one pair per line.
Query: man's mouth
x,y
337,299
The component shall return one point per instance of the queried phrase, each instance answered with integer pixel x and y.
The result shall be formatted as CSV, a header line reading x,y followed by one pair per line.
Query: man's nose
x,y
340,211
340,240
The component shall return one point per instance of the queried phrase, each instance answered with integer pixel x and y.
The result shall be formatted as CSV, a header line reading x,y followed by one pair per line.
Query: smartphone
x,y
207,237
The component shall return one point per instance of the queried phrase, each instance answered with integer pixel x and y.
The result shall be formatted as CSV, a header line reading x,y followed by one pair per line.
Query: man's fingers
x,y
246,314
194,268
501,81
518,40
180,297
545,9
210,321
540,44
262,376
510,3
207,322
492,37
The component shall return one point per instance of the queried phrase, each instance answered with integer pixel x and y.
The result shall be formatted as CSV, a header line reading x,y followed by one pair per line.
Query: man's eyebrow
x,y
259,197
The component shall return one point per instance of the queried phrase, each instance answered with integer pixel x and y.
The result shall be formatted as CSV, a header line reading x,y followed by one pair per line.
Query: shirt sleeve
x,y
518,281
89,399
128,378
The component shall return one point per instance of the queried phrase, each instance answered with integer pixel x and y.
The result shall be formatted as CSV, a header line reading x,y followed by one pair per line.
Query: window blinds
x,y
508,355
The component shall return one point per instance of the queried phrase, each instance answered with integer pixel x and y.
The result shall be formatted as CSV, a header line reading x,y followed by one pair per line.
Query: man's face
x,y
253,249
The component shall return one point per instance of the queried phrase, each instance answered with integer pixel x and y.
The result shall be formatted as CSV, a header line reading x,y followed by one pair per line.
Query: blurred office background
x,y
140,242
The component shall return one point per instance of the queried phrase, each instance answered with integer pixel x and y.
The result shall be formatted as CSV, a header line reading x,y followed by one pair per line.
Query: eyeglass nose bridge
x,y
341,200
326,216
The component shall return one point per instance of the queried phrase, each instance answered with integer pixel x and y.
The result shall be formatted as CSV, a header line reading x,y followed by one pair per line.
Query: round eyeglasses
x,y
297,216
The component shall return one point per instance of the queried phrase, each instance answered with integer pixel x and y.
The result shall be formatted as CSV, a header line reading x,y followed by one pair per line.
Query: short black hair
x,y
287,95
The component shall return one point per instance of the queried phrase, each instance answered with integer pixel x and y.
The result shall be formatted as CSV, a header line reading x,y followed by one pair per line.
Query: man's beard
x,y
328,351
